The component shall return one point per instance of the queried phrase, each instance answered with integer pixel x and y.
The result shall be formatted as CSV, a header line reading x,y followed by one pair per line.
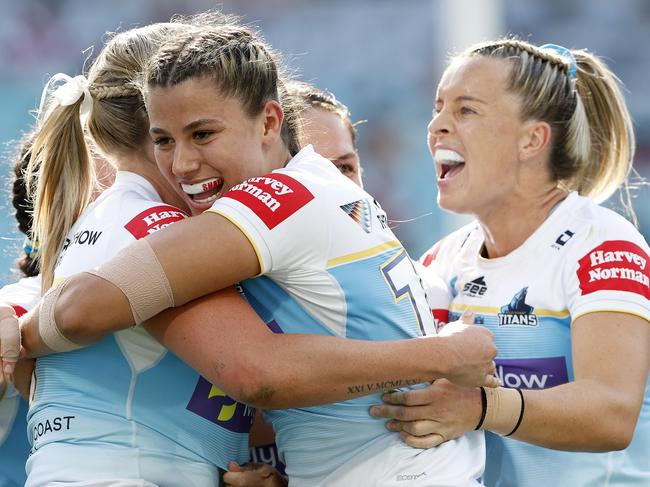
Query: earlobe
x,y
536,137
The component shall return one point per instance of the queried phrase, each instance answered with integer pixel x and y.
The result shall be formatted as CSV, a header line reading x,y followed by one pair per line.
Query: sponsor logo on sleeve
x,y
153,219
532,373
615,265
211,403
273,198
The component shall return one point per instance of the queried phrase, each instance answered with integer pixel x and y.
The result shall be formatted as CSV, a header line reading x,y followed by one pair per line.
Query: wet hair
x,y
22,204
307,96
61,175
592,141
240,63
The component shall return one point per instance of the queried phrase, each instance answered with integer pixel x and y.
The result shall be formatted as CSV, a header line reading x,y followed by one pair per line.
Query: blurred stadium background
x,y
382,58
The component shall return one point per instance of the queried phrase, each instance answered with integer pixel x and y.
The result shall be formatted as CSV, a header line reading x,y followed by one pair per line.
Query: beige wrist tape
x,y
47,328
504,410
136,271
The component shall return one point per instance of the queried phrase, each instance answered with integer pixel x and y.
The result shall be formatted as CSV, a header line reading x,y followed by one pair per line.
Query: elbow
x,y
255,389
619,427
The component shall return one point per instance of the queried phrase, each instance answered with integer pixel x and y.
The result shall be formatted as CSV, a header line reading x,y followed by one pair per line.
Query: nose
x,y
439,124
187,161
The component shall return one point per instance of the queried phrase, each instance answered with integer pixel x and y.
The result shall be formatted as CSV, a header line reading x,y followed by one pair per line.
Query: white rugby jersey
x,y
125,407
582,259
331,266
22,296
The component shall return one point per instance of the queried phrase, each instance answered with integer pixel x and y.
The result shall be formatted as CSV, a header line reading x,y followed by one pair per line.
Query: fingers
x,y
415,397
423,442
467,317
250,475
402,413
422,427
9,343
491,381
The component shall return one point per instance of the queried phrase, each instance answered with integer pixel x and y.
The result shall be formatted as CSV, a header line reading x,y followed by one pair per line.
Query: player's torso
x,y
522,299
344,274
126,392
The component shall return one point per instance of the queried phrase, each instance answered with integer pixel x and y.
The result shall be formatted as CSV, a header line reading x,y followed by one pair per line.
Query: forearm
x,y
585,415
222,338
74,318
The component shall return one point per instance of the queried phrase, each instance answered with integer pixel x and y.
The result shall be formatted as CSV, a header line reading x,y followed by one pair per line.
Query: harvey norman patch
x,y
273,198
153,219
615,265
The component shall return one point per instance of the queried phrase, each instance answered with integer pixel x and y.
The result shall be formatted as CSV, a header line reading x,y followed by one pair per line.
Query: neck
x,y
508,227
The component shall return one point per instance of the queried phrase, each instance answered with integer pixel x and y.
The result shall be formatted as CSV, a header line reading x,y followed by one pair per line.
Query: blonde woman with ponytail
x,y
529,140
120,412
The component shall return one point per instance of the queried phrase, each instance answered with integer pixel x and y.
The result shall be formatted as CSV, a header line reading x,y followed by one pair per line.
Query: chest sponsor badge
x,y
532,373
273,198
615,265
153,219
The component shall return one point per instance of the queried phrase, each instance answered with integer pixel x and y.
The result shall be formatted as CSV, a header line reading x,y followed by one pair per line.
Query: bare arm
x,y
598,411
223,338
199,255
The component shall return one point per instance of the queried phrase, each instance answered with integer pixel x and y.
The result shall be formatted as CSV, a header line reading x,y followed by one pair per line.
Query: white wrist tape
x,y
47,328
136,271
504,410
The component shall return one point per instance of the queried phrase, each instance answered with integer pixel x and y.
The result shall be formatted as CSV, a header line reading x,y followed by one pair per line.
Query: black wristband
x,y
483,408
521,413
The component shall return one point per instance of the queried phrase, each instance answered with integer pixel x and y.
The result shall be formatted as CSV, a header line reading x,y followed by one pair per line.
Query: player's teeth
x,y
449,156
201,186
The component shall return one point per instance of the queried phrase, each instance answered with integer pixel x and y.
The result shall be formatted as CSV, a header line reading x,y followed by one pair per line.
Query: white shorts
x,y
389,462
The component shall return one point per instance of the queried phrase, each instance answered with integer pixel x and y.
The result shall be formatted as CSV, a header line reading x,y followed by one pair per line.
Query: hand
x,y
9,341
253,475
428,417
472,353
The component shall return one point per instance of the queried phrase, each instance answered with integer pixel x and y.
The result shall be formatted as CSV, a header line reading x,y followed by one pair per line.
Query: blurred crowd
x,y
382,58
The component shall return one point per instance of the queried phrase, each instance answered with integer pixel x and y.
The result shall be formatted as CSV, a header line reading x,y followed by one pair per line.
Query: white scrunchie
x,y
69,93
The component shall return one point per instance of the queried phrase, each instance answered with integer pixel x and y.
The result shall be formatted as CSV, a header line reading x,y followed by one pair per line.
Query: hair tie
x,y
30,248
567,55
69,93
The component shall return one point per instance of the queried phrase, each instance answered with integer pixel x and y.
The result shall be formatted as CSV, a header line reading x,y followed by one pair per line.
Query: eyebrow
x,y
189,127
465,98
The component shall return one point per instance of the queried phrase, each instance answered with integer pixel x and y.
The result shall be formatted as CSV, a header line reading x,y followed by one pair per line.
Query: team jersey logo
x,y
615,265
273,198
211,403
153,219
517,312
359,211
532,373
475,288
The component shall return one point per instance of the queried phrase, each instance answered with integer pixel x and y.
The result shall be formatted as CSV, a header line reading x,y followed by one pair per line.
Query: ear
x,y
535,138
273,118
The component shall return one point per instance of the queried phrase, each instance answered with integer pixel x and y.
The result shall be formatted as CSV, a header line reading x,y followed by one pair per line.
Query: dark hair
x,y
23,207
